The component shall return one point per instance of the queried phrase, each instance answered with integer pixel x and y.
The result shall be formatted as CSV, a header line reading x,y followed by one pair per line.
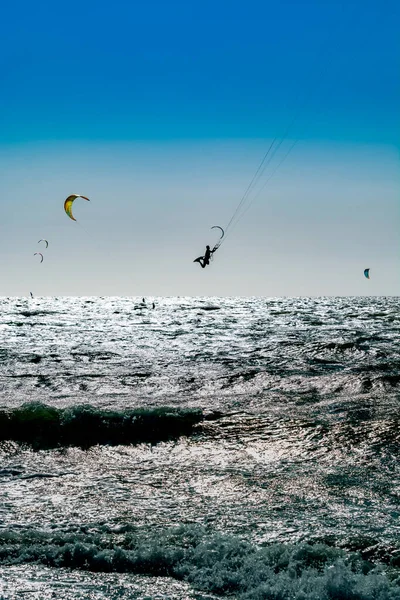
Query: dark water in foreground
x,y
241,447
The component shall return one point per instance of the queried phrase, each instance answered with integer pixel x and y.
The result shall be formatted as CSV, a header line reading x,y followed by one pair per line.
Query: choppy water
x,y
243,446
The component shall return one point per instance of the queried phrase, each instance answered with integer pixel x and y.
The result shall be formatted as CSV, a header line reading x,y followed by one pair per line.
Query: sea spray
x,y
211,562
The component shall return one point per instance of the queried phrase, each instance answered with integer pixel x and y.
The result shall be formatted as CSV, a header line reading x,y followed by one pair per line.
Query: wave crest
x,y
44,426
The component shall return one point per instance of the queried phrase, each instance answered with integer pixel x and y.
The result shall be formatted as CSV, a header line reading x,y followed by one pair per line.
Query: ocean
x,y
204,448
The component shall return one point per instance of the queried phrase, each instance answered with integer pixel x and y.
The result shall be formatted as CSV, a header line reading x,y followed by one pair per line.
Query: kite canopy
x,y
45,241
366,273
40,254
218,227
69,202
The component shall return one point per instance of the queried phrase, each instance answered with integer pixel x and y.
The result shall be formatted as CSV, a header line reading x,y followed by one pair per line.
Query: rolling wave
x,y
44,426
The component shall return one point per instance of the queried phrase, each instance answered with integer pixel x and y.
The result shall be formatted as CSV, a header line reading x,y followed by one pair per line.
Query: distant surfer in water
x,y
31,294
204,260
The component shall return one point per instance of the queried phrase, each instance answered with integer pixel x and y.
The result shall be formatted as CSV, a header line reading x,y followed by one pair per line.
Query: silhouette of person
x,y
204,260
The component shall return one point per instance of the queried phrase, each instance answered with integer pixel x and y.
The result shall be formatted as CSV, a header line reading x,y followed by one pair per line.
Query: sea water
x,y
207,447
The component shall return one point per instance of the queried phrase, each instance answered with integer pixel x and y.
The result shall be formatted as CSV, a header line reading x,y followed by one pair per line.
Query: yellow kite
x,y
69,202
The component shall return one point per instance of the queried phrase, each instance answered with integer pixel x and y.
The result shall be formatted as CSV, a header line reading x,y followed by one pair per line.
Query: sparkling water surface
x,y
299,441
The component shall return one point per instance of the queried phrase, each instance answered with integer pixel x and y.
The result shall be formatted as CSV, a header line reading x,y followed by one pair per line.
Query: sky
x,y
161,114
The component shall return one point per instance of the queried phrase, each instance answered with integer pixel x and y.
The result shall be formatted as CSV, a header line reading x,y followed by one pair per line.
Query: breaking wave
x,y
44,426
212,562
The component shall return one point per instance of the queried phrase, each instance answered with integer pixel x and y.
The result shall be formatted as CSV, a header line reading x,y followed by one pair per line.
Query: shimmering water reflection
x,y
299,440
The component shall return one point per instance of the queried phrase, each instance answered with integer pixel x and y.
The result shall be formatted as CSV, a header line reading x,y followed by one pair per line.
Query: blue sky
x,y
161,112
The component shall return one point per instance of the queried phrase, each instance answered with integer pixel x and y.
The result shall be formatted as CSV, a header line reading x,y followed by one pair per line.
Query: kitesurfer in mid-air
x,y
204,260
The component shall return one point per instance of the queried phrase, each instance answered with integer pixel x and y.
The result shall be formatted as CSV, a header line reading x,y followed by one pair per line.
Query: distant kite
x,y
45,241
69,202
366,273
40,254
